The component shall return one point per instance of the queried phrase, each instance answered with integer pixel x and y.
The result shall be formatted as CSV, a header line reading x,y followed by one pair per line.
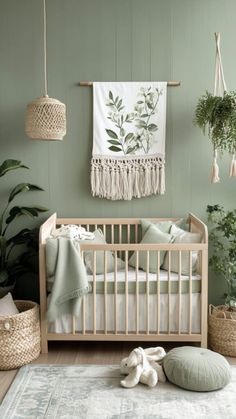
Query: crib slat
x,y
105,292
104,231
128,233
87,227
120,238
115,292
190,292
84,312
112,233
137,291
83,307
94,292
126,293
136,233
120,233
169,265
73,325
158,292
147,294
180,291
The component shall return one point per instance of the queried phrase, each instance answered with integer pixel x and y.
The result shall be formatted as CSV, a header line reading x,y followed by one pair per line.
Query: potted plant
x,y
8,216
216,116
222,319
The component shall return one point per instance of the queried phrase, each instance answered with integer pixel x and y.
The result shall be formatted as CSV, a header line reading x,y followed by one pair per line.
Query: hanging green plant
x,y
216,116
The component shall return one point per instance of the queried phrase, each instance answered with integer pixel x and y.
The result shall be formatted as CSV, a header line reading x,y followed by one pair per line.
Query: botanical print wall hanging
x,y
129,122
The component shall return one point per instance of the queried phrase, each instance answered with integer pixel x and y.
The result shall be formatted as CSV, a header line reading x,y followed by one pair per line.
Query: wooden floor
x,y
82,353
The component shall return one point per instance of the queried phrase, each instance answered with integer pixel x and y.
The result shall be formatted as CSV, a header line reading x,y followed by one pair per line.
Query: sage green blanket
x,y
66,276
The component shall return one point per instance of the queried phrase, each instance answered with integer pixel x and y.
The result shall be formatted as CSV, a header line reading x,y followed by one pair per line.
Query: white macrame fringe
x,y
124,179
232,170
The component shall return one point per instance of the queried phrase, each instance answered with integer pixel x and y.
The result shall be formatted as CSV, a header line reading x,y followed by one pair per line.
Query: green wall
x,y
114,40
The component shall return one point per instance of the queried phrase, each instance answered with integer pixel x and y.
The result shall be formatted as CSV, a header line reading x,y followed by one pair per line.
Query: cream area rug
x,y
75,391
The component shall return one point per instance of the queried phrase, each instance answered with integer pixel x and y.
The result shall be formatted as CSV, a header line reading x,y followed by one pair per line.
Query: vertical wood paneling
x,y
141,56
113,40
123,40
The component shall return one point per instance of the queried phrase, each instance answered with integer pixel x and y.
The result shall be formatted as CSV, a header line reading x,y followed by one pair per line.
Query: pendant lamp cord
x,y
45,48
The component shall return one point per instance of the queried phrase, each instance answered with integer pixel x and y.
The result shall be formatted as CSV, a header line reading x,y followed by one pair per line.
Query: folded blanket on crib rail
x,y
67,274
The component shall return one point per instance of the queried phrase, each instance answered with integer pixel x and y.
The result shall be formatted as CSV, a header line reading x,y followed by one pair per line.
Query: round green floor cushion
x,y
197,369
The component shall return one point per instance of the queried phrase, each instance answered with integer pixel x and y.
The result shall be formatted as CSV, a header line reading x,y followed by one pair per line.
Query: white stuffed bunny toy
x,y
141,366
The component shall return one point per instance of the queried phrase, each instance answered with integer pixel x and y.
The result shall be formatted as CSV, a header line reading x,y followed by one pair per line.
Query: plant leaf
x,y
144,115
129,136
149,105
122,132
141,123
11,164
23,187
28,211
3,276
110,95
40,208
3,246
114,148
114,142
140,101
20,238
152,127
112,134
131,149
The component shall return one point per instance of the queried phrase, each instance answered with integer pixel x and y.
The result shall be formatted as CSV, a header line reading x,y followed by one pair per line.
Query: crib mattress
x,y
156,305
138,281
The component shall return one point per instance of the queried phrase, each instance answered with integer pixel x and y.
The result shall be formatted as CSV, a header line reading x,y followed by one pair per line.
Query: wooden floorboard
x,y
82,353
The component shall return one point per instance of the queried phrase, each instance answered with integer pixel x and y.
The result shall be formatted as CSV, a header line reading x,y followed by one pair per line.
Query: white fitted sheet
x,y
163,276
64,324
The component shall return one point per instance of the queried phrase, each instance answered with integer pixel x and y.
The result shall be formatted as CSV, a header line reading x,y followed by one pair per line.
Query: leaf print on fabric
x,y
121,139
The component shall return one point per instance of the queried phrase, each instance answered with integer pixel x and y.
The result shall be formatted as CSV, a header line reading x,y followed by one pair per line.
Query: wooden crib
x,y
123,236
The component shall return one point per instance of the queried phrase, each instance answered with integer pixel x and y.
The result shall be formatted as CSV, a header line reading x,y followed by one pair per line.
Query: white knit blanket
x,y
128,139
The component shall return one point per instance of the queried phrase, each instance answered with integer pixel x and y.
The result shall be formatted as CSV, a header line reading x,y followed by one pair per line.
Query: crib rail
x,y
141,293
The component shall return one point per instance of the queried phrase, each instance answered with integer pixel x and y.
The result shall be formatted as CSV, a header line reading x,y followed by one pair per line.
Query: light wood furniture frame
x,y
123,235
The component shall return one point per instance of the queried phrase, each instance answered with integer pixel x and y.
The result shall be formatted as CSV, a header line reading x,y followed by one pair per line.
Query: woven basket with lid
x,y
222,330
20,336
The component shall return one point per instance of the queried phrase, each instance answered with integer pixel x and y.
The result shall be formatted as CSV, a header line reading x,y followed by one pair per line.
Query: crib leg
x,y
44,344
204,341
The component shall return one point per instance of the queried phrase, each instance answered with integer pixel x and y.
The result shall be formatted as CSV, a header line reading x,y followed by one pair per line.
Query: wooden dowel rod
x,y
90,83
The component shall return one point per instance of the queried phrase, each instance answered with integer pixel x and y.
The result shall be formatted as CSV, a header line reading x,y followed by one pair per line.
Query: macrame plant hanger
x,y
45,116
219,89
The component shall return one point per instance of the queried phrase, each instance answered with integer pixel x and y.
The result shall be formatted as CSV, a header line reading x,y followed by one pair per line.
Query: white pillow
x,y
182,236
7,306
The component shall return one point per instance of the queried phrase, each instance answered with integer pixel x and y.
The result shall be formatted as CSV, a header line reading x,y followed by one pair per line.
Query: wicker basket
x,y
222,330
20,336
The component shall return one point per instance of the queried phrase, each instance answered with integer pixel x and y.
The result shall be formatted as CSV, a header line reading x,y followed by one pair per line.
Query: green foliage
x,y
142,138
217,116
7,216
223,239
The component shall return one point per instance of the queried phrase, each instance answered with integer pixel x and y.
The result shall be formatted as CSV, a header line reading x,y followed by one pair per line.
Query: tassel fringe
x,y
124,179
232,170
215,170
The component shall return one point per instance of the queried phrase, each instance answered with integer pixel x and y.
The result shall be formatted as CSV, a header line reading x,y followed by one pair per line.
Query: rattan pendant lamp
x,y
45,116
